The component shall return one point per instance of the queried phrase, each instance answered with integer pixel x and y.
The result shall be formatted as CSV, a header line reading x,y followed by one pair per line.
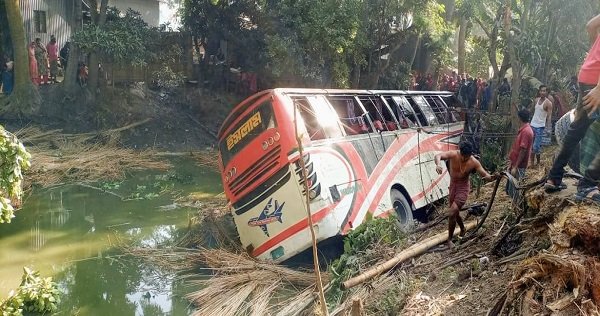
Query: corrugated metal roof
x,y
58,15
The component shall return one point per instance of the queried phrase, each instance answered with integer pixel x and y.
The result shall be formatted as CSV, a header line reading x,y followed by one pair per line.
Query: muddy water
x,y
71,233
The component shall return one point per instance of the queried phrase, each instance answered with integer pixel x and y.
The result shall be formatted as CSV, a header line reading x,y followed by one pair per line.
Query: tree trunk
x,y
415,250
462,37
515,60
496,80
411,62
449,7
382,67
70,81
25,97
94,73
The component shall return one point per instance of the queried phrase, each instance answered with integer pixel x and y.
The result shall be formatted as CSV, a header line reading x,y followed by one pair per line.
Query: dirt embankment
x,y
185,119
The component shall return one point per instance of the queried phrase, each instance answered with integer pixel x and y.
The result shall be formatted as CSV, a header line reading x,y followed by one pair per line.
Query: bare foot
x,y
450,244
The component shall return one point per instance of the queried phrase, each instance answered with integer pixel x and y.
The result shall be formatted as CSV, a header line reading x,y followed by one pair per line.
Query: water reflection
x,y
71,232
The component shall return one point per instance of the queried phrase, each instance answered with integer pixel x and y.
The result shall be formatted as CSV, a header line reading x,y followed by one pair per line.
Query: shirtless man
x,y
461,163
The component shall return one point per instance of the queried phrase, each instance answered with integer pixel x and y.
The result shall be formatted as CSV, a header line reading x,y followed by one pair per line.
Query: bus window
x,y
453,105
247,129
319,119
350,114
439,108
309,118
326,116
388,115
374,107
423,110
404,112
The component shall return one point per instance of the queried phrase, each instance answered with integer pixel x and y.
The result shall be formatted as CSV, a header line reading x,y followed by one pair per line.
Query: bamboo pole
x,y
412,251
310,222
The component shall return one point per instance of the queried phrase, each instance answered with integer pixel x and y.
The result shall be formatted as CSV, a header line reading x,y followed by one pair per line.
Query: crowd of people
x,y
577,132
45,61
46,64
472,92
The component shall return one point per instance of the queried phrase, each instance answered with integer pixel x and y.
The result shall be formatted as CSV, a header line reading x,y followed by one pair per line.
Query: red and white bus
x,y
364,151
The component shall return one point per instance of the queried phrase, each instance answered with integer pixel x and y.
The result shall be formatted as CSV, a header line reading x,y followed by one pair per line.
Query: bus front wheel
x,y
402,209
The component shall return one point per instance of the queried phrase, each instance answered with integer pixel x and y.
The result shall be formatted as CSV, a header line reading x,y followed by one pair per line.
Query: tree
x,y
70,81
25,97
99,19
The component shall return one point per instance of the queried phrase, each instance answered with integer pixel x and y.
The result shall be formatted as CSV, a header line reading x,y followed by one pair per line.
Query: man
x,y
64,55
520,152
541,122
588,103
504,88
461,163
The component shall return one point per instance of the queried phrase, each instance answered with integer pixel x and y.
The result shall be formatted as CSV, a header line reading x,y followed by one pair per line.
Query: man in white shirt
x,y
541,122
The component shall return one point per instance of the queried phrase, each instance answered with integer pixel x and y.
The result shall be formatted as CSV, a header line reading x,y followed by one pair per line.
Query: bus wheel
x,y
402,209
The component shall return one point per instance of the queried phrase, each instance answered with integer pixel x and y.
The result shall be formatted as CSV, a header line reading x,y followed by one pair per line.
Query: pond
x,y
72,233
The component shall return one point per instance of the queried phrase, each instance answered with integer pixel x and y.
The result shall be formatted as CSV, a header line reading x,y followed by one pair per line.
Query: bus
x,y
364,152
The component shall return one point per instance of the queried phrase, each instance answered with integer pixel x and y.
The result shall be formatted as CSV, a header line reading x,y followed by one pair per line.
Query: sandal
x,y
550,187
588,194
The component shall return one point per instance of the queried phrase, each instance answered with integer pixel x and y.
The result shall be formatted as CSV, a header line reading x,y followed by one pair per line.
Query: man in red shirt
x,y
520,152
588,104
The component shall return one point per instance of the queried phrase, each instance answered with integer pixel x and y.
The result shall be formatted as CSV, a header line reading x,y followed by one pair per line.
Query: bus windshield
x,y
247,129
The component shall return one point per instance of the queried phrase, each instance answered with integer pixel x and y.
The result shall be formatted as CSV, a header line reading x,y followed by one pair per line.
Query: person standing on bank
x,y
541,122
41,56
460,165
52,49
587,111
520,152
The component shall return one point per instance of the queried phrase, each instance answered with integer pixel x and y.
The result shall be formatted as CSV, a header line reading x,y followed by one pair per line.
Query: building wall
x,y
149,9
58,15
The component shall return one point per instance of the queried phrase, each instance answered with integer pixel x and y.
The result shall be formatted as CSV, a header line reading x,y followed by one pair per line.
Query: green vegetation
x,y
34,295
15,160
370,242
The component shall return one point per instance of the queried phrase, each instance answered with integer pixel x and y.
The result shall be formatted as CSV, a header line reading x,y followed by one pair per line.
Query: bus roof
x,y
241,106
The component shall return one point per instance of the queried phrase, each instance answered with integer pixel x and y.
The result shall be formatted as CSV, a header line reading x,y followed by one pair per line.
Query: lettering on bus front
x,y
253,122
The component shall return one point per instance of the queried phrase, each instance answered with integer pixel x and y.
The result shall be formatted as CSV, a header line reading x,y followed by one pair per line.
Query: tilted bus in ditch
x,y
364,152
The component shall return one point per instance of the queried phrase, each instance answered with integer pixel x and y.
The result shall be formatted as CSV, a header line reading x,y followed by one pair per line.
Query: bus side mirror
x,y
335,193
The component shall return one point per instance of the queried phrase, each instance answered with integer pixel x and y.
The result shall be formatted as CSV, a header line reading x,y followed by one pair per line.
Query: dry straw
x,y
66,158
241,285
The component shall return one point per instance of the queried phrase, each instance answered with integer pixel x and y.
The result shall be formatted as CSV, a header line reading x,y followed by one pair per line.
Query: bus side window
x,y
423,110
374,109
452,104
350,114
309,117
325,117
404,112
389,117
439,108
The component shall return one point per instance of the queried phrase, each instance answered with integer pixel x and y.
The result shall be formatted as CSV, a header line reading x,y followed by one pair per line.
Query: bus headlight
x,y
265,145
276,137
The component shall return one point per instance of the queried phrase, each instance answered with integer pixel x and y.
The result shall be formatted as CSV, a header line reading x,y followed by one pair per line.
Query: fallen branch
x,y
455,261
413,251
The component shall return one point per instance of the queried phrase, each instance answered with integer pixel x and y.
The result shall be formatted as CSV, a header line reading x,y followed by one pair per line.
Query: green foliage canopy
x,y
123,39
